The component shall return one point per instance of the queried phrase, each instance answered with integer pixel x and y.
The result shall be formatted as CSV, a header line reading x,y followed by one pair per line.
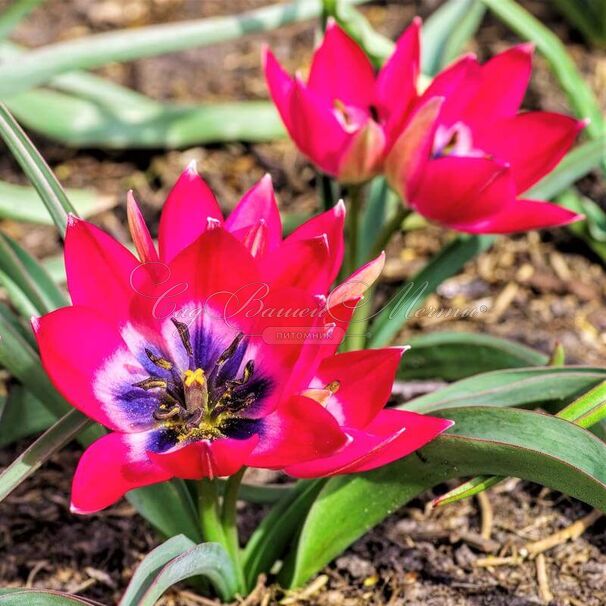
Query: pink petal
x,y
298,430
533,143
358,283
330,223
362,158
396,87
458,84
412,150
340,70
303,264
316,129
365,381
140,232
99,269
206,459
458,190
184,216
504,80
109,468
523,215
258,204
394,434
280,86
75,343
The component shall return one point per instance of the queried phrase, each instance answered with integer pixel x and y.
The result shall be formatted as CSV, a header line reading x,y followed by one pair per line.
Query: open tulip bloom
x,y
458,153
218,351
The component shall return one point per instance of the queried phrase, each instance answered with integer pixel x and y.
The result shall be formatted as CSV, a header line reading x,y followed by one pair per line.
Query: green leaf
x,y
456,355
589,17
515,387
521,443
22,415
152,564
447,31
29,276
390,320
579,93
40,597
168,507
40,65
36,169
209,560
62,432
22,203
575,165
273,535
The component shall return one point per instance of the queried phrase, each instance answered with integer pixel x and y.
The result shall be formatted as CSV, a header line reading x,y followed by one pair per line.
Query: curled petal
x,y
280,86
109,468
358,283
185,214
139,231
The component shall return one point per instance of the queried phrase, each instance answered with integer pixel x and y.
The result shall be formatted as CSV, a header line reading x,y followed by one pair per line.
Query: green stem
x,y
230,525
353,228
208,509
389,229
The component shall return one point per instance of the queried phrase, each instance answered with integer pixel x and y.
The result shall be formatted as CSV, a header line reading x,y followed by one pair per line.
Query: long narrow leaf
x,y
14,14
390,320
152,565
36,169
521,443
41,597
62,432
22,415
209,560
39,66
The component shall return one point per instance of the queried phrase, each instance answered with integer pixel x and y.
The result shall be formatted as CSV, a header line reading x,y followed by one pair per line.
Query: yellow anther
x,y
194,376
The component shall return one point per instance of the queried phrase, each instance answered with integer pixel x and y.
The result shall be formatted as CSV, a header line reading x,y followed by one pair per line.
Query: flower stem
x,y
353,228
230,525
389,229
208,510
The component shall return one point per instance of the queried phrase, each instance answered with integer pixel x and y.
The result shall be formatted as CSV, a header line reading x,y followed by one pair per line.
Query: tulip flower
x,y
195,373
345,118
466,156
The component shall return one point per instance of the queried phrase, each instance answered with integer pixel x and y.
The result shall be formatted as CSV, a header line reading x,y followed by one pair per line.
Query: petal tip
x,y
35,323
340,209
192,168
72,220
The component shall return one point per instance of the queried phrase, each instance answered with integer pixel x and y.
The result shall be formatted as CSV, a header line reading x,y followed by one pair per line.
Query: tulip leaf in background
x,y
589,16
152,564
62,432
14,14
521,443
392,317
40,597
36,169
580,96
457,355
40,65
21,415
588,410
22,203
447,31
527,387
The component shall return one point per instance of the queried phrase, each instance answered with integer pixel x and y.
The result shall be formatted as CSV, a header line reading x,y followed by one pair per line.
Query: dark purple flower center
x,y
211,399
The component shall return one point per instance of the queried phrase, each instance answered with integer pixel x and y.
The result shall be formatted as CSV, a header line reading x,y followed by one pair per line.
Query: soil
x,y
536,289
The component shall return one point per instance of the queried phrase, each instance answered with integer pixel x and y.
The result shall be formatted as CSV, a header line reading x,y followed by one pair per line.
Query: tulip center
x,y
201,403
455,140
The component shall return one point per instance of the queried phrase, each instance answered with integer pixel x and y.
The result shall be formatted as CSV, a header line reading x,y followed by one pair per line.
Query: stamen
x,y
151,383
183,331
333,386
249,369
165,415
158,361
230,351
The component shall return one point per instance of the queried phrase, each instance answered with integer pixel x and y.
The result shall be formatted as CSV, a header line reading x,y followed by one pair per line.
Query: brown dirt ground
x,y
536,289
